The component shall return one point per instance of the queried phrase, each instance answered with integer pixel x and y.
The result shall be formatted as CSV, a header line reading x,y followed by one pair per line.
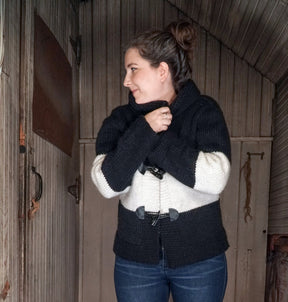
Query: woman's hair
x,y
174,45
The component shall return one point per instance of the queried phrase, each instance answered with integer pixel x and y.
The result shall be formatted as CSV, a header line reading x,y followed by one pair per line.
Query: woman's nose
x,y
126,81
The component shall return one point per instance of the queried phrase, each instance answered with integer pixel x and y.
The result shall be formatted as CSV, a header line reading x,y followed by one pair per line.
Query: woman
x,y
166,154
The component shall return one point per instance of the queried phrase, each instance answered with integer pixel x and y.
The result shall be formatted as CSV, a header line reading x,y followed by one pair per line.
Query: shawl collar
x,y
186,96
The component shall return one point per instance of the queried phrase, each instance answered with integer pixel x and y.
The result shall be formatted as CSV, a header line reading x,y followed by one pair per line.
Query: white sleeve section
x,y
212,172
100,181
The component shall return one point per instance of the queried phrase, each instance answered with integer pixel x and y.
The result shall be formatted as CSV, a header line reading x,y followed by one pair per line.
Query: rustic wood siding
x,y
48,241
254,30
278,203
9,152
50,235
246,99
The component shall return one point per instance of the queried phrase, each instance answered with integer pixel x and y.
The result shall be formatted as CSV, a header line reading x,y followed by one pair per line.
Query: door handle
x,y
35,200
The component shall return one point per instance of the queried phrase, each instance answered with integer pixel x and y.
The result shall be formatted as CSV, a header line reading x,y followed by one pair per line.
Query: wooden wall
x,y
278,203
9,150
50,264
246,99
38,256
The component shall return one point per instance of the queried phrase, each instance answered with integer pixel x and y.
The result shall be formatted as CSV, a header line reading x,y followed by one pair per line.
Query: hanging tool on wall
x,y
247,174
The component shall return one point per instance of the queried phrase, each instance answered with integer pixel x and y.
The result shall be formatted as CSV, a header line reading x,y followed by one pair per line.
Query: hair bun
x,y
184,33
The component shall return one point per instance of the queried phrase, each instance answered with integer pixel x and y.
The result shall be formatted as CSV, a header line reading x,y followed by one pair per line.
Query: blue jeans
x,y
204,281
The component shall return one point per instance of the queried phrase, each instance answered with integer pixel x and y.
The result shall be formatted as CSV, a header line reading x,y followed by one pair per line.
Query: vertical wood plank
x,y
128,25
157,17
226,90
142,15
258,272
266,108
229,207
170,13
92,211
99,63
86,76
199,60
254,100
9,151
113,55
99,258
80,214
109,225
212,68
240,98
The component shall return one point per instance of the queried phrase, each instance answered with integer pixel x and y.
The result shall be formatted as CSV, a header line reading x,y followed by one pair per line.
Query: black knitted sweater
x,y
178,212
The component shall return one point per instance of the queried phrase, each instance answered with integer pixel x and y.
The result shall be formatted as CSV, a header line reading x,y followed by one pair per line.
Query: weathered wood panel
x,y
49,239
229,207
268,92
50,244
86,79
245,97
100,219
9,152
113,54
127,23
278,206
251,235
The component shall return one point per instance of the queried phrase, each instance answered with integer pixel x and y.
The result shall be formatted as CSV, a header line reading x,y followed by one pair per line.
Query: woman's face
x,y
143,80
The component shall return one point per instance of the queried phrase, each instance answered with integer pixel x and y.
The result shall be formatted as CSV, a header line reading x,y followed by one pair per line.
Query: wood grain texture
x,y
9,151
278,208
255,30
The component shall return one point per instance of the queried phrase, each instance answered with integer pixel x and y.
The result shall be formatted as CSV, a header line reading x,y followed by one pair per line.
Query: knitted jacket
x,y
168,183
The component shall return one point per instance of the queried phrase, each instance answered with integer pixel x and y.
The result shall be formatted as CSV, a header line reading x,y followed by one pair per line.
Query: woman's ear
x,y
164,71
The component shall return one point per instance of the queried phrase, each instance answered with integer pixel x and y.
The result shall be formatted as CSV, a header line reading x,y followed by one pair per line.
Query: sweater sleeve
x,y
204,164
120,149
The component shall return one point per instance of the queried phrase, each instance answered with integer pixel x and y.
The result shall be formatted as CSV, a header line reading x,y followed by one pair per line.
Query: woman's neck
x,y
169,96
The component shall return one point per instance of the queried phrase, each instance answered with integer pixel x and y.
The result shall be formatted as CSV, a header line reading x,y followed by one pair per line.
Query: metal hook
x,y
259,154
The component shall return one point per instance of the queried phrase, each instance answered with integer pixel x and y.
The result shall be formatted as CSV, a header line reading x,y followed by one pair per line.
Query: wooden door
x,y
48,229
247,234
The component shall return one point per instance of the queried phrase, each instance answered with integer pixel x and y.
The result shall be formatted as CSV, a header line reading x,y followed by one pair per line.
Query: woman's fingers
x,y
159,119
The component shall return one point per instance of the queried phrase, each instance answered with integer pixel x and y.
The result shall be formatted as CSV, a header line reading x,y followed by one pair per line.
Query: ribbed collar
x,y
186,96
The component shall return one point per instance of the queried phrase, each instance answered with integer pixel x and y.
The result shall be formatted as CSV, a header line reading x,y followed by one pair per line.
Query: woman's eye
x,y
133,69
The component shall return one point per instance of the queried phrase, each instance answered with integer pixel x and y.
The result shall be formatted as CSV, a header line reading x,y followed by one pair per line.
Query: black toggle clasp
x,y
156,216
157,172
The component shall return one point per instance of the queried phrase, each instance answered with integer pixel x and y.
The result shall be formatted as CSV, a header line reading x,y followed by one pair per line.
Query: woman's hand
x,y
159,119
